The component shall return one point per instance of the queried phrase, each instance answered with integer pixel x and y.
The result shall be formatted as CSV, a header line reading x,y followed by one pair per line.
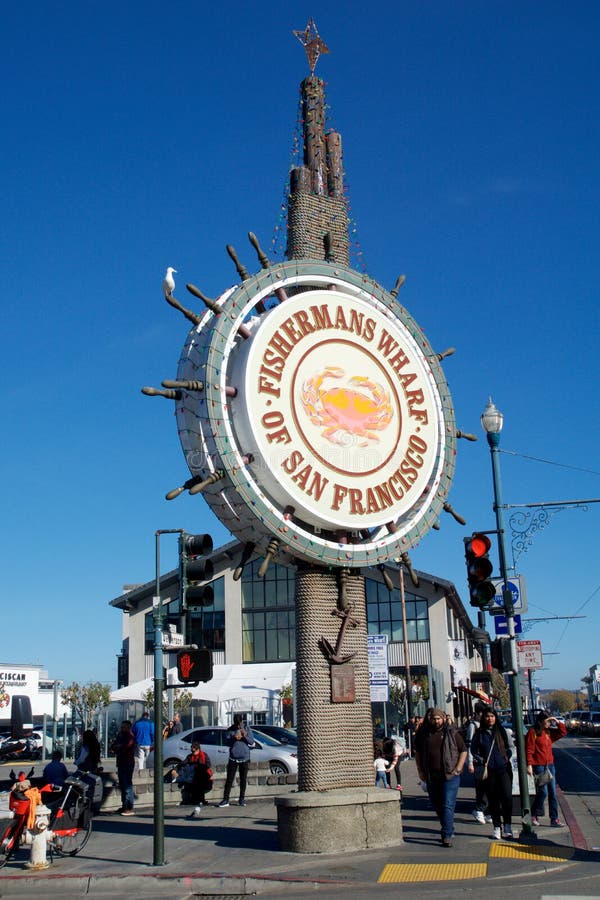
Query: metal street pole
x,y
409,703
159,687
491,421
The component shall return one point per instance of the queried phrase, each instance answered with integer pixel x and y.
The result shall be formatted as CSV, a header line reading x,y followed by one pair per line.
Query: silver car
x,y
282,759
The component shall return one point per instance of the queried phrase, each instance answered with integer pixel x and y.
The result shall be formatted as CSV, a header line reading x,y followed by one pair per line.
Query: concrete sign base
x,y
338,820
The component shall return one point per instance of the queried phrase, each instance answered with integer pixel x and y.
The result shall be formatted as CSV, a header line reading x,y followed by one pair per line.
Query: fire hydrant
x,y
40,838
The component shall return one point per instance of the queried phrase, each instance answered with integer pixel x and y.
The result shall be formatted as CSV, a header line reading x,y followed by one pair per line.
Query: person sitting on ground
x,y
195,776
55,771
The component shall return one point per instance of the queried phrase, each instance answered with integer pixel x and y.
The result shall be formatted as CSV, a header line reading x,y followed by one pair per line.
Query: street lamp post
x,y
492,420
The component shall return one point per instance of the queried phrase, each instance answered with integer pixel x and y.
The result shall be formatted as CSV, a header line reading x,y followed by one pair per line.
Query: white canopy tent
x,y
254,687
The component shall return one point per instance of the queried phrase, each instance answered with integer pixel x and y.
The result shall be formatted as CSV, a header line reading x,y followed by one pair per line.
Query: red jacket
x,y
538,747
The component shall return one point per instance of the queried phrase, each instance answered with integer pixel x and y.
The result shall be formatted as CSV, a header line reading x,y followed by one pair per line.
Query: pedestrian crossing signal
x,y
194,666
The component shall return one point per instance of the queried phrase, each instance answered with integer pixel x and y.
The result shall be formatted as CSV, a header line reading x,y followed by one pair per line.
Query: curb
x,y
577,836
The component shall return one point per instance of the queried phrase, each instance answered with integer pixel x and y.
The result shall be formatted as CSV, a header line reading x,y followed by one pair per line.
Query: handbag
x,y
480,770
543,778
186,774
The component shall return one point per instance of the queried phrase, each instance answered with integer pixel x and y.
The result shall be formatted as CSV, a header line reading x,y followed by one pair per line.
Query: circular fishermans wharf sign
x,y
325,419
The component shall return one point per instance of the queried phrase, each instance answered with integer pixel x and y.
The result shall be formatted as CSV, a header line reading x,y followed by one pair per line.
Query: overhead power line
x,y
549,462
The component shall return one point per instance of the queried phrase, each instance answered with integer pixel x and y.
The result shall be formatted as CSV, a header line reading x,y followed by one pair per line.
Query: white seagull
x,y
169,282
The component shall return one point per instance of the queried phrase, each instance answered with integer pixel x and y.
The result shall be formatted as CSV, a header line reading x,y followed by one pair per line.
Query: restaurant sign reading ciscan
x,y
325,419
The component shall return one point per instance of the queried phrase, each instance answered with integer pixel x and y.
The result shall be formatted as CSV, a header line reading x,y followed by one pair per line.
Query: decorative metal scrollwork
x,y
525,523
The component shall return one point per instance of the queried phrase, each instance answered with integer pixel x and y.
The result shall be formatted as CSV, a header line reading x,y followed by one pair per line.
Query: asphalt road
x,y
577,761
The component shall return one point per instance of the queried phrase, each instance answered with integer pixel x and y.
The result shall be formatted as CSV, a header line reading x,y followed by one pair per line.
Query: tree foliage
x,y
561,700
420,690
182,700
86,700
500,689
286,692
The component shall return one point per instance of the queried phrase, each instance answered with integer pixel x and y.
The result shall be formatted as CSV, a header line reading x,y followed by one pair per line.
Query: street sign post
x,y
529,654
172,640
377,648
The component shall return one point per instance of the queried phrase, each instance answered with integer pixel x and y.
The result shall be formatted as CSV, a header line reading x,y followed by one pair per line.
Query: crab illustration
x,y
359,407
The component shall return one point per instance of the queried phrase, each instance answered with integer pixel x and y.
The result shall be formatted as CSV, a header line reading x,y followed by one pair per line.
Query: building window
x,y
450,621
268,614
384,613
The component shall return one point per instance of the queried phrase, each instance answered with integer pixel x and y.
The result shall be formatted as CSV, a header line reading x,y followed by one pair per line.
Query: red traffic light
x,y
479,570
479,545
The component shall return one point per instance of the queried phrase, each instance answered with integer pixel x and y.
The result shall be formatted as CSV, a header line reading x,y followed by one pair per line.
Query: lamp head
x,y
491,418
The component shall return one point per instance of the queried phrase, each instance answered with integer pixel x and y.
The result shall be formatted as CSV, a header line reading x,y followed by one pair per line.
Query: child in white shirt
x,y
380,770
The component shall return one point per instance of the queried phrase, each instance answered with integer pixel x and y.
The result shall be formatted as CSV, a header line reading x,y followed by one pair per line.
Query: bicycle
x,y
70,822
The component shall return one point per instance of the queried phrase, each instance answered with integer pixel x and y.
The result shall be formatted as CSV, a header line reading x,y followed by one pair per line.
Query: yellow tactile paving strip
x,y
403,873
531,851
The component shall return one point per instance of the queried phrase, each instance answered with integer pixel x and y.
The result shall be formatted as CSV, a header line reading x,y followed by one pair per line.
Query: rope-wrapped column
x,y
336,738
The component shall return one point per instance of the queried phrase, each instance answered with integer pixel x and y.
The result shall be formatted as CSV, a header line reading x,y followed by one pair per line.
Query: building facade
x,y
252,621
31,681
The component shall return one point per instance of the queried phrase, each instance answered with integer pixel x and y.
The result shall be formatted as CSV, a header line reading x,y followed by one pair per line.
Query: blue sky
x,y
138,136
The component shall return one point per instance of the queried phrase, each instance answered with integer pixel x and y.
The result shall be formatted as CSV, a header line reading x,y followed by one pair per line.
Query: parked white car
x,y
282,758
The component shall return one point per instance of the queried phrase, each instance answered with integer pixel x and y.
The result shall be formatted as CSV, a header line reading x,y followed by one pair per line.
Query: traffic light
x,y
195,568
479,569
500,655
194,666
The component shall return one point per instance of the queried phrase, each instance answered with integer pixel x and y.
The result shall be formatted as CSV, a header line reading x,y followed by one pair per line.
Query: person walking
x,y
540,763
479,812
490,752
240,740
124,750
143,734
440,753
381,769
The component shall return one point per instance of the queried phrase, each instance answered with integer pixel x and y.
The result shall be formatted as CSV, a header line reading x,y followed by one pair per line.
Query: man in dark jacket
x,y
124,750
440,753
240,740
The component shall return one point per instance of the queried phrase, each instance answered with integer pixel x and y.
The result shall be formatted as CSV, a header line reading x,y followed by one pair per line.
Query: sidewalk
x,y
234,851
